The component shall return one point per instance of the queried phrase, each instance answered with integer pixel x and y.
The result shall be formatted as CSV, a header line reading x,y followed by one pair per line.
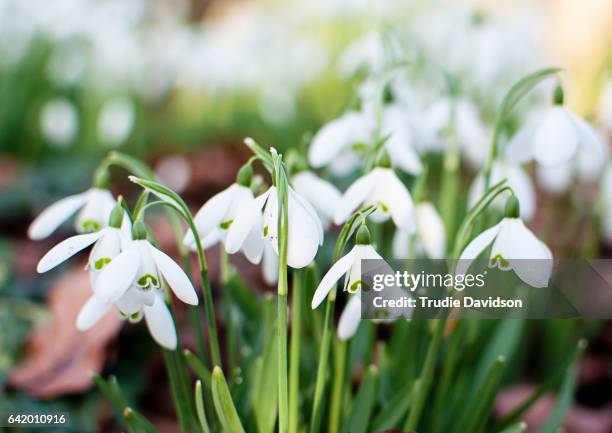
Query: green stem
x,y
294,355
337,386
317,409
179,407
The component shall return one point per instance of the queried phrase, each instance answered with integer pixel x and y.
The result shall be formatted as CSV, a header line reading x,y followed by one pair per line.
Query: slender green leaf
x,y
199,401
224,406
395,410
363,404
515,428
197,366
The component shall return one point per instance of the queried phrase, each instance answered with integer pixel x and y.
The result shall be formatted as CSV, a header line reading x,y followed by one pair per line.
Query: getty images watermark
x,y
426,288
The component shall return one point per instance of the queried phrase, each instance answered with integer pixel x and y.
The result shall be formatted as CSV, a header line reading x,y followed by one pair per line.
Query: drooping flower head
x,y
514,247
429,238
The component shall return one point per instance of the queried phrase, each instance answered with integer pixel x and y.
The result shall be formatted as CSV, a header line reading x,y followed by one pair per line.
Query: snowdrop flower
x,y
141,268
107,242
155,311
96,205
59,122
515,248
217,215
554,138
380,187
517,179
348,266
430,236
336,138
116,121
323,195
305,232
401,139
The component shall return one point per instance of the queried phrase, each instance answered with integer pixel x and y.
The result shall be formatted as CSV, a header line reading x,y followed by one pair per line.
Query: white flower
x,y
96,205
156,314
116,121
430,235
217,215
269,265
515,248
380,187
553,139
348,266
323,195
402,138
336,138
305,232
141,266
517,179
59,122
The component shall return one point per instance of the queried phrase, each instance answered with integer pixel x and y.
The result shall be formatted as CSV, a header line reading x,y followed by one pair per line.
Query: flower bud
x,y
363,235
513,209
245,174
139,230
558,95
116,217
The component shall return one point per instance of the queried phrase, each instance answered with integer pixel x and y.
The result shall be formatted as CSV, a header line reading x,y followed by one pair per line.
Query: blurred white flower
x,y
606,203
174,171
429,239
514,247
380,187
517,179
96,205
305,232
116,121
402,139
323,195
59,122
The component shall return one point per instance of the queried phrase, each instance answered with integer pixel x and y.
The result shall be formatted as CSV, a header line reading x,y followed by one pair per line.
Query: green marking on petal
x,y
499,261
265,231
148,281
91,226
226,224
383,207
353,288
100,263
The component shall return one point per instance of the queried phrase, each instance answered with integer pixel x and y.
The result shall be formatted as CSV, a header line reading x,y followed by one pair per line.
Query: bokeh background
x,y
180,83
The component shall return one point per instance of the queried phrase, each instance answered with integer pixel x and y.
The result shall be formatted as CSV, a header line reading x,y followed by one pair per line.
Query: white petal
x,y
592,154
244,222
520,148
400,145
357,193
311,211
174,275
332,276
134,299
401,244
335,136
530,258
323,195
555,180
93,310
350,318
96,212
270,264
431,230
66,249
253,246
160,324
555,141
52,217
212,213
392,193
475,247
107,247
117,276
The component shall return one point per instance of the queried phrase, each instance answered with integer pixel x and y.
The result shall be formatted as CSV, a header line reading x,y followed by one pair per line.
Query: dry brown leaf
x,y
59,358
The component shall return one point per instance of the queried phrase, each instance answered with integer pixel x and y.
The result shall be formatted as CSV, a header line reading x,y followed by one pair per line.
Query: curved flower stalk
x,y
429,239
517,179
217,215
555,137
95,206
514,247
323,195
380,187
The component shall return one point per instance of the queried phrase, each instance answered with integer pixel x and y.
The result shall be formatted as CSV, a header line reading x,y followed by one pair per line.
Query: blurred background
x,y
180,83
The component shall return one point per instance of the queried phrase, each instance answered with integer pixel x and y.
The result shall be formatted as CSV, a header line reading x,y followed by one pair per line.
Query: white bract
x,y
430,236
96,205
305,232
217,215
380,187
323,195
517,179
515,248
